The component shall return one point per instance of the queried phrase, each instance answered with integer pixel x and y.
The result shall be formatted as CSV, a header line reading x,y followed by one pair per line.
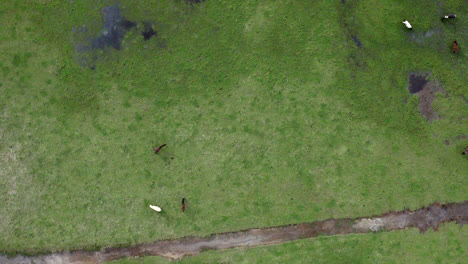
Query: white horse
x,y
407,24
156,208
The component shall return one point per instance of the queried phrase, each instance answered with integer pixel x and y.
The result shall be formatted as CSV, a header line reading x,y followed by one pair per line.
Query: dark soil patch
x,y
417,82
357,41
423,219
195,1
148,31
426,90
127,24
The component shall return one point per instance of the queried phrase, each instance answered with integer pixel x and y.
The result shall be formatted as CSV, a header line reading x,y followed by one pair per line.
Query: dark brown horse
x,y
156,150
449,16
183,205
455,46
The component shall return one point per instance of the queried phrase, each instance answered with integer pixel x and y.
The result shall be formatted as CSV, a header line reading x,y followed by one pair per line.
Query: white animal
x,y
156,208
407,24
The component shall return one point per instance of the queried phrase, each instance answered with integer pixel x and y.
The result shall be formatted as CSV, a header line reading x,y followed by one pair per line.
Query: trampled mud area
x,y
426,90
423,219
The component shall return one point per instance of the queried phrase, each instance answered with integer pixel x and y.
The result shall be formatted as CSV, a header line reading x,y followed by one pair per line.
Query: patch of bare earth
x,y
423,219
426,90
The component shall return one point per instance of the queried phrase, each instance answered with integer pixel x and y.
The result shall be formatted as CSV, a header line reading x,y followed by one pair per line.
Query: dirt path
x,y
424,218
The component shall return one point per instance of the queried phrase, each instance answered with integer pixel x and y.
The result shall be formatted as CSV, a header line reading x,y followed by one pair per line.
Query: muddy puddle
x,y
418,83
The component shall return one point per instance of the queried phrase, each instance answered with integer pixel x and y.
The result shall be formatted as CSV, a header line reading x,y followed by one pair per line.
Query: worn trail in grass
x,y
424,218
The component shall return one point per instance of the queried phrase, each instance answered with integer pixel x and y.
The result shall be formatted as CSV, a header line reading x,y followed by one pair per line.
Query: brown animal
x,y
183,204
466,151
159,149
455,46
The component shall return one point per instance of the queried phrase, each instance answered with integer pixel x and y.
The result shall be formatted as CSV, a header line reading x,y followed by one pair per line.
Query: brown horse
x,y
455,46
158,149
465,152
183,205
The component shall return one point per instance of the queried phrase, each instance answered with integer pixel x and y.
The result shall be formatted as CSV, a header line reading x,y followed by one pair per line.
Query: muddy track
x,y
423,219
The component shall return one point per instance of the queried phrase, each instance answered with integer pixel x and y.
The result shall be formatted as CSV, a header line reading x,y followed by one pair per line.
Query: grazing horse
x,y
156,208
159,149
449,16
455,46
407,24
465,152
183,205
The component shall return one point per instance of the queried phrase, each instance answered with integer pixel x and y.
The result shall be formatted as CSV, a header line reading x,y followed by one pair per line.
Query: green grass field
x,y
272,113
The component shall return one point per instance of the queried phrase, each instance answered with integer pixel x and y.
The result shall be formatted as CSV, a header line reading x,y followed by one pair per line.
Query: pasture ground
x,y
274,113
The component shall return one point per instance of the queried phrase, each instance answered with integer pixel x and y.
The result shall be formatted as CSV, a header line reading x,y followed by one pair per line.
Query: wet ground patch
x,y
418,83
356,41
348,22
88,40
195,1
91,39
114,28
